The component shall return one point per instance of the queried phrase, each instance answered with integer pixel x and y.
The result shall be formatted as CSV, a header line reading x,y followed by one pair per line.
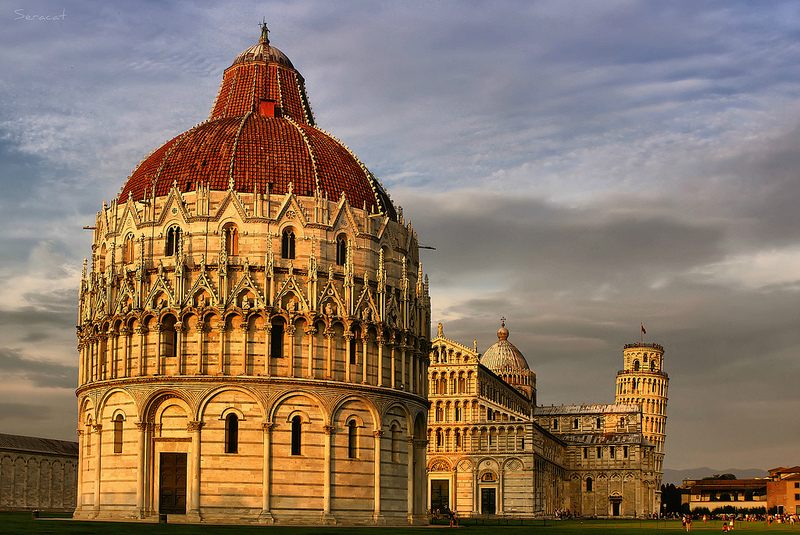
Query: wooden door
x,y
172,484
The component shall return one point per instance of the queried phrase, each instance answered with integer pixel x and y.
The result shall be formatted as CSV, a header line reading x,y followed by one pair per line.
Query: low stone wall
x,y
31,481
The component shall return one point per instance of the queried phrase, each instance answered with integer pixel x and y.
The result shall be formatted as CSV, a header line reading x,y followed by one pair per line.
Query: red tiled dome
x,y
261,131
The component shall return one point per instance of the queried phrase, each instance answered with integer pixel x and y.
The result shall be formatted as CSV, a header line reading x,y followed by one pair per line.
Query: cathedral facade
x,y
254,326
493,451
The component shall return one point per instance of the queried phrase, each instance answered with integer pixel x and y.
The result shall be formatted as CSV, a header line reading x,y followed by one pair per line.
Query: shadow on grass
x,y
25,524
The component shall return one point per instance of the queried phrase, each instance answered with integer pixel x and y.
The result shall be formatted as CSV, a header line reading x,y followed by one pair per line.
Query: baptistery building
x,y
254,326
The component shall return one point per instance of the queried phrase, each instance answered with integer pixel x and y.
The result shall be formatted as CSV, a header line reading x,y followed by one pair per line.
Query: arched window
x,y
598,423
522,444
636,365
555,424
231,433
276,340
169,336
574,423
127,249
589,484
296,435
458,413
287,244
439,413
341,250
458,440
118,423
352,440
395,432
652,365
173,239
231,235
353,343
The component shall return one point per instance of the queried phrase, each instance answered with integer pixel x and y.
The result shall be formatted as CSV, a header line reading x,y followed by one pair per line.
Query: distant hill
x,y
677,476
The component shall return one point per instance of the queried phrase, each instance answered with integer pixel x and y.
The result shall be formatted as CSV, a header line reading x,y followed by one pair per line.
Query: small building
x,y
37,473
783,490
713,494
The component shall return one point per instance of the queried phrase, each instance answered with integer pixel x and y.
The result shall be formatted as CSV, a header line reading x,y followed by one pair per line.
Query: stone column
x,y
379,341
326,475
376,513
500,493
310,334
81,362
142,331
454,490
412,454
81,460
329,354
290,329
142,468
127,367
221,353
200,328
393,365
267,344
348,341
364,346
266,473
412,372
105,340
113,353
92,362
403,366
245,330
179,335
194,428
159,353
475,491
98,428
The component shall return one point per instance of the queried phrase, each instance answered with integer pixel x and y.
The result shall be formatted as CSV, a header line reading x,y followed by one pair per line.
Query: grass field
x,y
23,523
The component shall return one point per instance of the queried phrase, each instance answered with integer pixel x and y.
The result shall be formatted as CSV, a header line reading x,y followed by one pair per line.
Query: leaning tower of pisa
x,y
644,382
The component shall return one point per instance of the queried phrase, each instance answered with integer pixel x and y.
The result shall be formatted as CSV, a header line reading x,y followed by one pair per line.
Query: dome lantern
x,y
504,359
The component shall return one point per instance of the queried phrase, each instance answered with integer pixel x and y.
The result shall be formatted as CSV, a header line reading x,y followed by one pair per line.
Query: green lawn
x,y
23,523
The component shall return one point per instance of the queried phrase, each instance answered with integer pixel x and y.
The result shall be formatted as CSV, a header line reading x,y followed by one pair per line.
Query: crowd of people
x,y
729,520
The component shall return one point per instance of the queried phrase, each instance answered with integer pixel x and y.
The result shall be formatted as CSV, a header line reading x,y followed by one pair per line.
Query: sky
x,y
580,167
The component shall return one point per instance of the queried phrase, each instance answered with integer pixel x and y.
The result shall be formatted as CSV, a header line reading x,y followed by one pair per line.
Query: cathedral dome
x,y
503,356
260,135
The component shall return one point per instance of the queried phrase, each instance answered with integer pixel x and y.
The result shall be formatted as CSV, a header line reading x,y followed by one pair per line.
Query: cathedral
x,y
254,326
493,451
254,347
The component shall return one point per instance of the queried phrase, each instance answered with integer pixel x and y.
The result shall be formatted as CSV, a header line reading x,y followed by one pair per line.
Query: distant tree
x,y
670,499
720,476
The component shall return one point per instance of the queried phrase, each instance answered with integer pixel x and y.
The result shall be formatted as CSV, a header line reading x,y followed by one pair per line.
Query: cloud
x,y
12,412
40,373
579,167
